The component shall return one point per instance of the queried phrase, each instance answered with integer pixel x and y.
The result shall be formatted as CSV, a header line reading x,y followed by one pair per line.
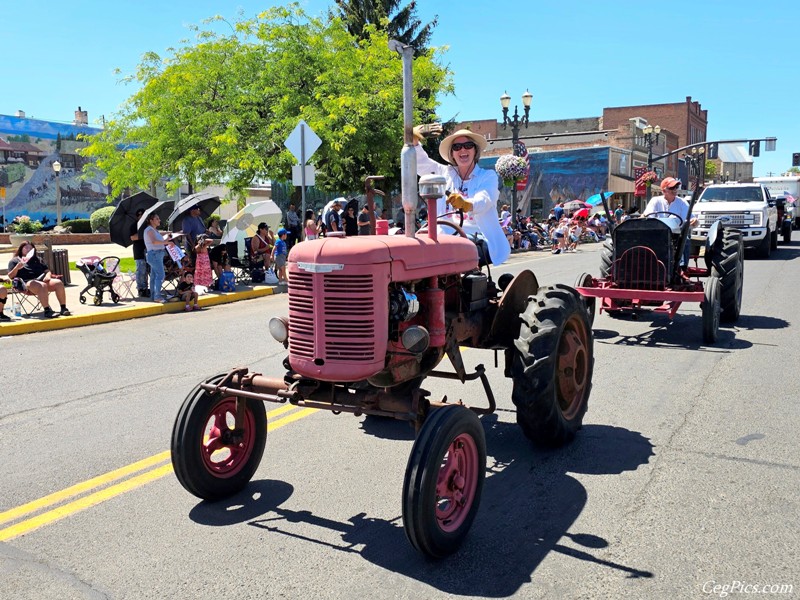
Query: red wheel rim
x,y
457,482
573,366
224,450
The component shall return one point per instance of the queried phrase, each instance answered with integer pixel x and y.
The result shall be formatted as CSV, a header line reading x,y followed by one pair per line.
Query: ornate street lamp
x,y
651,137
57,169
695,160
515,122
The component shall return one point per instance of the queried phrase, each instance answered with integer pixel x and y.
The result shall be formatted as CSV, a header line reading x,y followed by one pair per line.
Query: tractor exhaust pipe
x,y
408,156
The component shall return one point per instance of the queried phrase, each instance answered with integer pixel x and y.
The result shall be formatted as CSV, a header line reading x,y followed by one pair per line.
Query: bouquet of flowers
x,y
23,224
649,177
511,168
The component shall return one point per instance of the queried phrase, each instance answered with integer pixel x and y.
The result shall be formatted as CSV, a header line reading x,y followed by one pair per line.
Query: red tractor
x,y
370,317
640,270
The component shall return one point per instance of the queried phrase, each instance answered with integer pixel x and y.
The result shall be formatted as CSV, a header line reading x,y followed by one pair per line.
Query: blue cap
x,y
282,231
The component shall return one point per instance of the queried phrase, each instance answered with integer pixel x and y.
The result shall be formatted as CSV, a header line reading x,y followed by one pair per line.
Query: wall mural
x,y
28,149
559,176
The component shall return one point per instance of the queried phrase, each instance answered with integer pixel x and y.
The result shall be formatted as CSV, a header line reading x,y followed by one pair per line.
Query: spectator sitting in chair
x,y
3,297
31,275
260,247
219,259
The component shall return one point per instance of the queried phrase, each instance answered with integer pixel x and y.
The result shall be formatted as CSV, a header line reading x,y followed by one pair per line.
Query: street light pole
x,y
57,169
515,122
651,136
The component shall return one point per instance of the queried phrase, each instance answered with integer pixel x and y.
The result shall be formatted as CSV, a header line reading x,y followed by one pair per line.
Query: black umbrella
x,y
124,217
161,208
208,203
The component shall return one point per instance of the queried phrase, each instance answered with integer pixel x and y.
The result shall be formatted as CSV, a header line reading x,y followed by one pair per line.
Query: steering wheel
x,y
457,229
666,213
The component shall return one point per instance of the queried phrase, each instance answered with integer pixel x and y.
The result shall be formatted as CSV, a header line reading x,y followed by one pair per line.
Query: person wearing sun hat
x,y
670,202
472,189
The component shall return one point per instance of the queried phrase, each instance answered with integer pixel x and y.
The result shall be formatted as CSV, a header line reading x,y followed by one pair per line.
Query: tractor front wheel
x,y
443,480
211,457
552,366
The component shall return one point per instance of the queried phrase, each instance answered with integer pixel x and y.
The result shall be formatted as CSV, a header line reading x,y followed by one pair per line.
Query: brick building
x,y
686,119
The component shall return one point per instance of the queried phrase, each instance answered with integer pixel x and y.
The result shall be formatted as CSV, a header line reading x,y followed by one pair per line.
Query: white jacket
x,y
483,191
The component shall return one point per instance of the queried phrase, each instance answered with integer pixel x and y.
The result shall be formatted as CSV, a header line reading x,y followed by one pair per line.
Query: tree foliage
x,y
401,24
219,110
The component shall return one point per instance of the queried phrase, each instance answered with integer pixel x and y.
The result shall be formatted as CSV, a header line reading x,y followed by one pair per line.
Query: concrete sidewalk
x,y
128,307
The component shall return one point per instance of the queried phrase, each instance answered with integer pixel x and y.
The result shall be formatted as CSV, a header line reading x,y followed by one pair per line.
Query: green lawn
x,y
125,265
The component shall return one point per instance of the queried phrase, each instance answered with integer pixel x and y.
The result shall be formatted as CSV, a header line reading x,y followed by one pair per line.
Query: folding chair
x,y
27,301
240,265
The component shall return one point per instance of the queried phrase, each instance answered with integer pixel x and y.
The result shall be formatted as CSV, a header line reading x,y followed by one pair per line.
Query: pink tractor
x,y
370,317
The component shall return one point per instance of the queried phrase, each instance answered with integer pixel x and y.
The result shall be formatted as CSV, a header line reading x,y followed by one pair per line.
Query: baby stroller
x,y
100,274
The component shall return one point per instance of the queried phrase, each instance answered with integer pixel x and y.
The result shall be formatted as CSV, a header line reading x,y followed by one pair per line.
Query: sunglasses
x,y
674,187
466,145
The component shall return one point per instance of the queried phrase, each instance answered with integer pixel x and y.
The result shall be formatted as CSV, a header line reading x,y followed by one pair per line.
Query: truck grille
x,y
332,316
736,219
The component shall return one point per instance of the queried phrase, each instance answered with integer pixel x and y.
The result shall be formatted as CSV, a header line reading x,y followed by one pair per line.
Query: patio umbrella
x,y
575,205
244,223
162,208
124,217
208,203
597,199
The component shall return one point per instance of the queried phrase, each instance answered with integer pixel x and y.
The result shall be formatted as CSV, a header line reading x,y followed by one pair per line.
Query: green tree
x,y
711,169
794,170
401,24
218,111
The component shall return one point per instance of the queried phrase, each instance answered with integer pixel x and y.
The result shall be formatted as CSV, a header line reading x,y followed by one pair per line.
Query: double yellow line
x,y
153,470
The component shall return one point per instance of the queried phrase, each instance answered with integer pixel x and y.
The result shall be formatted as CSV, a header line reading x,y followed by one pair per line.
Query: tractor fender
x,y
506,323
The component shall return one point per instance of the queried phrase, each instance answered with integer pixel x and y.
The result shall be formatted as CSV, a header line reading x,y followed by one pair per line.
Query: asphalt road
x,y
685,476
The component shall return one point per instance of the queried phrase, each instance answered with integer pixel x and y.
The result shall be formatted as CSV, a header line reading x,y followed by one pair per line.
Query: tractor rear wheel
x,y
606,258
211,458
711,309
727,263
444,480
552,366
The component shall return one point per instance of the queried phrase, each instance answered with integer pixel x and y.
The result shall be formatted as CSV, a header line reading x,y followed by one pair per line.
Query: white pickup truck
x,y
746,206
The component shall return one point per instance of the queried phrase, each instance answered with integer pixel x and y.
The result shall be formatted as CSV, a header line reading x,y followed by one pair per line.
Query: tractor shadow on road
x,y
528,505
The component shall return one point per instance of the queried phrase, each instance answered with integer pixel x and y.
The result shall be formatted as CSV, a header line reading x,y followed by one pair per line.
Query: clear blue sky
x,y
738,59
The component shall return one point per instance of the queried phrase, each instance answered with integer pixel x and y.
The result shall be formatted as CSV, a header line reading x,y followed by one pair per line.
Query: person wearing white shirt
x,y
472,189
670,202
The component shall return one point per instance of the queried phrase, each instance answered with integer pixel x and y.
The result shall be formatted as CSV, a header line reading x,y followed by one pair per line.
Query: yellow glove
x,y
458,202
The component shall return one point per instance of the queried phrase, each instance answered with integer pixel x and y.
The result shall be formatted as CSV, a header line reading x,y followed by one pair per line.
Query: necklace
x,y
462,186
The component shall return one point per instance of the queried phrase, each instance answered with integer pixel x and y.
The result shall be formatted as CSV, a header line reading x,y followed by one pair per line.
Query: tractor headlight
x,y
416,339
279,329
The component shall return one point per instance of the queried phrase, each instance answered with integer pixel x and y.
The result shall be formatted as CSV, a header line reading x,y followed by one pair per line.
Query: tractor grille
x,y
736,219
640,269
332,316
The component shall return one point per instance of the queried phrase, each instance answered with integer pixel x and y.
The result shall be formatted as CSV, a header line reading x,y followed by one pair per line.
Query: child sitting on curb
x,y
186,291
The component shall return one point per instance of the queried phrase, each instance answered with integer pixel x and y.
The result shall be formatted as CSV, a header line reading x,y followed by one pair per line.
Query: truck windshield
x,y
737,194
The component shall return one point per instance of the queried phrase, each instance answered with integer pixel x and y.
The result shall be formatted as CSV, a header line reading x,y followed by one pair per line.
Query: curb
x,y
124,314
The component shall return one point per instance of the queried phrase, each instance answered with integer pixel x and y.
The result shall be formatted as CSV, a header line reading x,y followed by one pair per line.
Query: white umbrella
x,y
244,223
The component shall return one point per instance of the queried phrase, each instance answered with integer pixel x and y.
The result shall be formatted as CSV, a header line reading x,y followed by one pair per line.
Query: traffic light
x,y
713,150
755,148
796,159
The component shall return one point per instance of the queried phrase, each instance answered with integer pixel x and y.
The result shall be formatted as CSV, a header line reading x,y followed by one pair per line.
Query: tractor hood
x,y
410,257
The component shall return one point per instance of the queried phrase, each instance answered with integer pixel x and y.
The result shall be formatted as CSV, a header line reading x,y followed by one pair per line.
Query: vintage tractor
x,y
640,269
370,317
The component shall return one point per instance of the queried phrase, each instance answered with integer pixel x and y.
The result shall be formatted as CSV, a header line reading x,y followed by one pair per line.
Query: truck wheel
x,y
585,280
765,247
711,309
211,459
552,366
773,241
606,258
728,265
443,480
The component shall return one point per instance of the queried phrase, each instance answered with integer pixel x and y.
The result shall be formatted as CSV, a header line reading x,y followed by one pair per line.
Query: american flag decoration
x,y
520,149
640,188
